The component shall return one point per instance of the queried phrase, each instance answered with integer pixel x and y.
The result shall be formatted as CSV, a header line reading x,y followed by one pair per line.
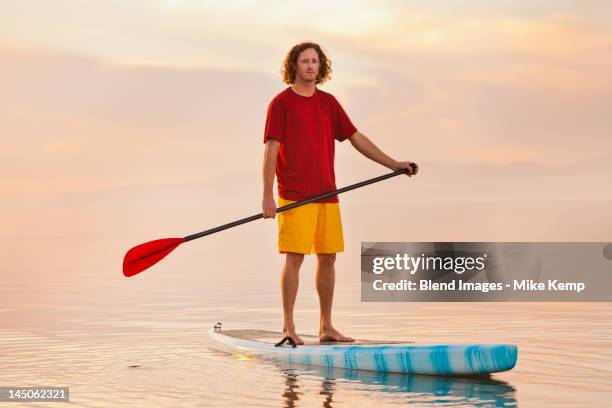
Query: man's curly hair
x,y
290,64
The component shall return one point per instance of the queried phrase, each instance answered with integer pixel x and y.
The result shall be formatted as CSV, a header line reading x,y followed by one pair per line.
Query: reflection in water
x,y
327,390
291,394
465,391
481,391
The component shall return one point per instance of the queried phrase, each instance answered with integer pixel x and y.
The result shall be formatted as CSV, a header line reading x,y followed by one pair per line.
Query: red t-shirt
x,y
306,127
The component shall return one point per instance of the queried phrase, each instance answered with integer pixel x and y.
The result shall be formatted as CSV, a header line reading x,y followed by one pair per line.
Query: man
x,y
302,125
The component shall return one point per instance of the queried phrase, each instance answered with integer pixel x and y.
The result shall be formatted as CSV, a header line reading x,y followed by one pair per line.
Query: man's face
x,y
307,67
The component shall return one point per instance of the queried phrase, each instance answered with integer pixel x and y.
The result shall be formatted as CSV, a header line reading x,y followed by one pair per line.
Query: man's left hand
x,y
412,168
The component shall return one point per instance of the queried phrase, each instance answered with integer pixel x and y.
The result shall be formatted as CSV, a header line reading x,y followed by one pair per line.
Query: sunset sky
x,y
117,113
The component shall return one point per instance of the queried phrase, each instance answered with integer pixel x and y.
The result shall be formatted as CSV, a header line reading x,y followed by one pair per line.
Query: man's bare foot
x,y
294,336
332,334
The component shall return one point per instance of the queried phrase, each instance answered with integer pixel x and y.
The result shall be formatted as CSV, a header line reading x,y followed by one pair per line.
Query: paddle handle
x,y
299,203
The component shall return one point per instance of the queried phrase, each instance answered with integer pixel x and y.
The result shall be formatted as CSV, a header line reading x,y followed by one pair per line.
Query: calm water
x,y
69,318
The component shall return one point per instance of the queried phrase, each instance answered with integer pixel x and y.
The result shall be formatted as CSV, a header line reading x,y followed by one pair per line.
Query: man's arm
x,y
366,147
268,205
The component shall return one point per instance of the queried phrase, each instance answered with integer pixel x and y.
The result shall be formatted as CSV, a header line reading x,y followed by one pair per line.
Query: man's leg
x,y
326,278
290,280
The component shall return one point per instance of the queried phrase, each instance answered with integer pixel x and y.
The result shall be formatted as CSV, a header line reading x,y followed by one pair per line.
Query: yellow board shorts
x,y
310,228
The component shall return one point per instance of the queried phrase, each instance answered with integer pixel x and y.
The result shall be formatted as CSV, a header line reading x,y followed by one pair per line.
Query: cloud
x,y
498,89
82,122
156,107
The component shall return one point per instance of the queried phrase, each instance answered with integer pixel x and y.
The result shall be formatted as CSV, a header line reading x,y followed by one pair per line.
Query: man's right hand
x,y
268,206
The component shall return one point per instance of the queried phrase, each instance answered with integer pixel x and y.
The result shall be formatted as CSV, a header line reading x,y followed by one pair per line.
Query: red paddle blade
x,y
148,254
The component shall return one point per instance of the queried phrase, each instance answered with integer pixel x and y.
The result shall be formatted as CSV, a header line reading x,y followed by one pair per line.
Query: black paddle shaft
x,y
299,203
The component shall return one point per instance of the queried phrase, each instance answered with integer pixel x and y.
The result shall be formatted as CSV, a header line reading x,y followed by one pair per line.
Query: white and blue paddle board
x,y
382,356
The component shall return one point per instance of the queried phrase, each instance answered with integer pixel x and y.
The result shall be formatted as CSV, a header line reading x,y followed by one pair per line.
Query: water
x,y
69,318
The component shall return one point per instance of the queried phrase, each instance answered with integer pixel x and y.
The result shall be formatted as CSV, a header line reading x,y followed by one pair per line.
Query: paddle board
x,y
394,356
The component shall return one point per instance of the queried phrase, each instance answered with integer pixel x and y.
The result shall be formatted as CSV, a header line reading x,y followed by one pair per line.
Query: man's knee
x,y
294,260
326,259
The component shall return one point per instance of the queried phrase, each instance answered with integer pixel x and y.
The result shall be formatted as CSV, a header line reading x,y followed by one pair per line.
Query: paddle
x,y
148,254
